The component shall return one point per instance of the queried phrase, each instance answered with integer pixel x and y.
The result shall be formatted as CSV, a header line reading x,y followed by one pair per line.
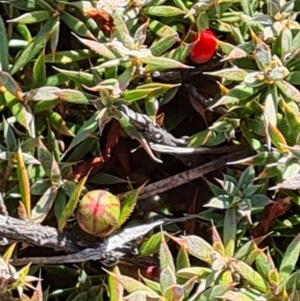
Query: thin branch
x,y
191,174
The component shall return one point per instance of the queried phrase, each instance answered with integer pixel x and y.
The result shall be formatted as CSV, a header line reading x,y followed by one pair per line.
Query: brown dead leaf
x,y
270,213
102,18
25,298
160,119
83,168
22,211
38,293
189,225
97,163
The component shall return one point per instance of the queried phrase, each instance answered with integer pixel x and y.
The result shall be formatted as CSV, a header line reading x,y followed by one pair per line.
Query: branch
x,y
191,174
109,252
84,249
42,236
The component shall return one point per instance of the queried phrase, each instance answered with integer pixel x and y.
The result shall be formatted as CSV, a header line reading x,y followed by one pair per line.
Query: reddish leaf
x,y
270,213
102,18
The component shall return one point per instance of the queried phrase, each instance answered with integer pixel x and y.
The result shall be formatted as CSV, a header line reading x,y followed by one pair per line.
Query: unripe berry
x,y
98,213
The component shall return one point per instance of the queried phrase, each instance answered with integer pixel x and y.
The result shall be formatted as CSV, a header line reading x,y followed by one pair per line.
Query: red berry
x,y
205,48
153,272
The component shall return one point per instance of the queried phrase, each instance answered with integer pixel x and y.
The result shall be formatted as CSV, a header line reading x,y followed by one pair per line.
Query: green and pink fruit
x,y
98,213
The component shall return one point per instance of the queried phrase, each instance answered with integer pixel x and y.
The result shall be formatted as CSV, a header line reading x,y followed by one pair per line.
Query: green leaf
x,y
24,32
166,258
202,21
241,92
206,137
53,144
182,259
277,137
151,245
68,187
103,178
76,25
188,273
160,29
167,278
72,96
10,84
21,112
262,54
288,90
24,183
32,17
140,34
59,204
163,44
246,178
234,74
128,204
137,94
216,190
10,138
39,70
55,37
4,56
79,77
163,11
163,87
238,296
85,131
131,285
34,46
230,228
294,78
259,200
142,296
97,47
49,164
44,205
65,57
181,52
220,202
115,287
24,4
155,286
121,31
264,263
72,203
254,79
162,63
250,275
214,293
198,247
285,40
235,53
278,73
290,259
175,293
40,186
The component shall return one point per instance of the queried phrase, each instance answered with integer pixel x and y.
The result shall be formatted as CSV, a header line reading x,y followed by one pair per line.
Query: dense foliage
x,y
70,70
